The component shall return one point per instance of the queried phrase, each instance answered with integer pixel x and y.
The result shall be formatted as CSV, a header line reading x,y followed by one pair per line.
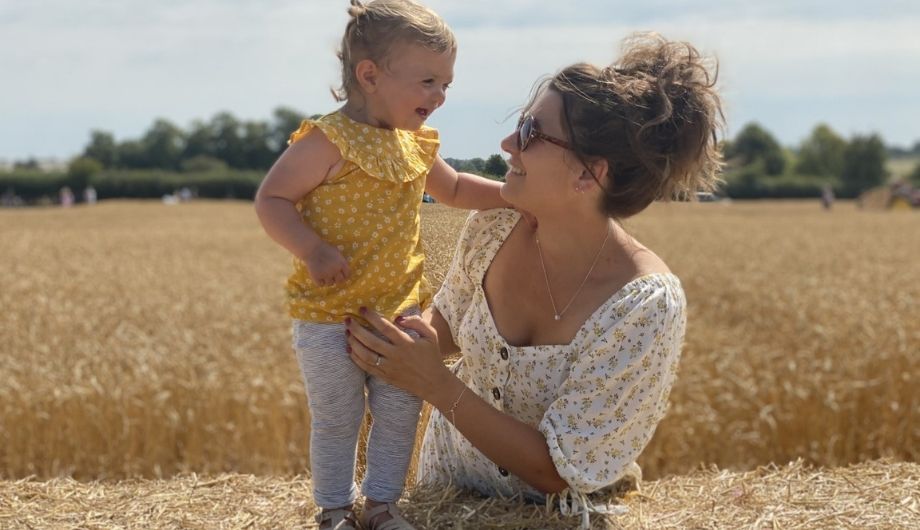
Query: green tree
x,y
821,153
131,154
495,165
285,121
102,148
199,141
228,140
163,144
81,171
864,164
257,153
754,143
203,163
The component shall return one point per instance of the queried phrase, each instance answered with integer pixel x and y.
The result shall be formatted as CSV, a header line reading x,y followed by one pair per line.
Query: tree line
x,y
228,156
758,165
224,142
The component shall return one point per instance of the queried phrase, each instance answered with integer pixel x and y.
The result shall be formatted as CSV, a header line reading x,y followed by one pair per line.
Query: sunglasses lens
x,y
524,133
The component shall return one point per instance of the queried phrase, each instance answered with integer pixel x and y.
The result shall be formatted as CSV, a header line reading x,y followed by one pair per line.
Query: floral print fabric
x,y
597,400
370,211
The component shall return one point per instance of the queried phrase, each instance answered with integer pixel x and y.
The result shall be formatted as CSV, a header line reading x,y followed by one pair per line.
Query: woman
x,y
570,329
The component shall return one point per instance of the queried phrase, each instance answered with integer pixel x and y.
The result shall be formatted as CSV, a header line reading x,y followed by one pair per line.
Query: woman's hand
x,y
413,364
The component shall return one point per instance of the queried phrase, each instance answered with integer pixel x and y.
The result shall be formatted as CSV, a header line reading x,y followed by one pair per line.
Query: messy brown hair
x,y
654,116
375,28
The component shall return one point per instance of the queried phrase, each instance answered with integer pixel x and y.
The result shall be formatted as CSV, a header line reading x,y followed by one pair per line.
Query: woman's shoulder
x,y
482,235
483,226
654,294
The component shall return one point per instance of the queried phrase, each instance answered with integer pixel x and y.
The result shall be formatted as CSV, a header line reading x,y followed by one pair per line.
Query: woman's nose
x,y
509,143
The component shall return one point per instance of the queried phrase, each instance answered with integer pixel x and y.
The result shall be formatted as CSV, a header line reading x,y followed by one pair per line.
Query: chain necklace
x,y
549,291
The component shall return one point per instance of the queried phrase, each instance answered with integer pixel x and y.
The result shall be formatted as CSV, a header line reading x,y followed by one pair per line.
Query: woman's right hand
x,y
326,265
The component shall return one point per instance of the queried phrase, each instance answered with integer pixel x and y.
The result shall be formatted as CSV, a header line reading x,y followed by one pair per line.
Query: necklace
x,y
549,291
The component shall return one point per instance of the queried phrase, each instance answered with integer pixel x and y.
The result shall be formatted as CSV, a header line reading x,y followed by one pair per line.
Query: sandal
x,y
396,523
339,519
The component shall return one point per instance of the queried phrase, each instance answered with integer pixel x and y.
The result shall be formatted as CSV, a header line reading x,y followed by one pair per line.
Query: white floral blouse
x,y
597,400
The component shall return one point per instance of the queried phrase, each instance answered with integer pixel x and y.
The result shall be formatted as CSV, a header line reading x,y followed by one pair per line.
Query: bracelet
x,y
453,418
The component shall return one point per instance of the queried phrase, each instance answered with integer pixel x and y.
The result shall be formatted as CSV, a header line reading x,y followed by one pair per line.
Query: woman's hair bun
x,y
357,9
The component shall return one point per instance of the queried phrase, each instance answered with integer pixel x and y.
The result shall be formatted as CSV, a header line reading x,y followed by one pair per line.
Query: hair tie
x,y
357,9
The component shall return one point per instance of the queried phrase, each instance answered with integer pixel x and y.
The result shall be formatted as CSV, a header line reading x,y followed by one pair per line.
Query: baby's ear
x,y
367,73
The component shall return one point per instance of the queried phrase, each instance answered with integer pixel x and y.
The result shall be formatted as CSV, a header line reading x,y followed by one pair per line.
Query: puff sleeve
x,y
617,388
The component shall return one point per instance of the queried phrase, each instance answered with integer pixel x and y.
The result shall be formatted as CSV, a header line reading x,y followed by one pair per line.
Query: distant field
x,y
143,340
902,167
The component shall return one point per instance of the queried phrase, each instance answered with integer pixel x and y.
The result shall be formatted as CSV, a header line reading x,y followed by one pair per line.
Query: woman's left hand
x,y
413,364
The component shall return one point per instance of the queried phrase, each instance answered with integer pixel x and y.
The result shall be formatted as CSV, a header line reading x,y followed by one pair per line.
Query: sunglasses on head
x,y
527,131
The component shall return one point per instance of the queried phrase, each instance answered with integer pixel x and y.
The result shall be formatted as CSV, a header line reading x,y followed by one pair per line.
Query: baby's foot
x,y
338,519
383,516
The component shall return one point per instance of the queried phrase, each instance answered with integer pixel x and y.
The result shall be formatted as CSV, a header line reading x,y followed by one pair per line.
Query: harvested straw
x,y
880,494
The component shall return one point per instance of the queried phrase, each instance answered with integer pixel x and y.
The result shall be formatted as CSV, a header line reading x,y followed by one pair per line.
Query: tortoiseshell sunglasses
x,y
527,131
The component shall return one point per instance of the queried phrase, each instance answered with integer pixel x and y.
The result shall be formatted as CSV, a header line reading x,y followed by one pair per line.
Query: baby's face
x,y
413,84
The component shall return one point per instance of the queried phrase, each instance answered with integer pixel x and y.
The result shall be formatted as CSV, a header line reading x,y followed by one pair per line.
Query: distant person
x,y
8,199
345,199
570,329
89,195
827,197
66,197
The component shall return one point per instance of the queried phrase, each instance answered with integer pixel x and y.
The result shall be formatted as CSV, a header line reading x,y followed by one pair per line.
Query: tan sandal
x,y
396,523
339,519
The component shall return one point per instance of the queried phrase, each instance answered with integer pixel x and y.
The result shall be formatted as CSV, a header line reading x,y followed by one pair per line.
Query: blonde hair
x,y
654,115
375,28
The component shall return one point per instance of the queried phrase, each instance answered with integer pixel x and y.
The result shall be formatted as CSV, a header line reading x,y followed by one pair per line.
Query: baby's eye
x,y
428,81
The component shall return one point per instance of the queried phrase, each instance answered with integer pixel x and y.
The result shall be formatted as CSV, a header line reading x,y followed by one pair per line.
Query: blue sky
x,y
69,67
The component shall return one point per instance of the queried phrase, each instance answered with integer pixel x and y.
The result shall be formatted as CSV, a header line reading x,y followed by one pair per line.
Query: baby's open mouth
x,y
422,112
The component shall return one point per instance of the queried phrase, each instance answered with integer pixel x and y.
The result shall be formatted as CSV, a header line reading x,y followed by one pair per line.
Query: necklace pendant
x,y
558,317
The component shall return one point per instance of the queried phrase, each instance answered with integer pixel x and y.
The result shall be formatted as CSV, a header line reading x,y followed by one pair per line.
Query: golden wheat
x,y
140,339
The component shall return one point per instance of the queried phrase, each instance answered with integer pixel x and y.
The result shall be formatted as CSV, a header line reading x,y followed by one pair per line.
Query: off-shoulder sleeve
x,y
455,294
618,385
481,237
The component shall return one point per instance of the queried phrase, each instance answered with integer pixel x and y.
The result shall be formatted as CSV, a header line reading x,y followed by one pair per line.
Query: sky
x,y
68,67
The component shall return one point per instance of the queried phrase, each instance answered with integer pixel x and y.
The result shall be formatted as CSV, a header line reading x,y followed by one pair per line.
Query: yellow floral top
x,y
596,400
369,210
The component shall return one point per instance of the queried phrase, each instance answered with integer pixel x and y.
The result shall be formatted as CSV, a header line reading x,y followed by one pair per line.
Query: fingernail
x,y
347,333
347,321
348,349
399,320
362,310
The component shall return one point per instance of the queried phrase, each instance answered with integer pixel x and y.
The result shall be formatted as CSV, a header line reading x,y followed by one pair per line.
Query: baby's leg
x,y
389,446
335,391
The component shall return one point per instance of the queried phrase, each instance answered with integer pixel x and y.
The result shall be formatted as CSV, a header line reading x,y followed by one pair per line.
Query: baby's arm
x,y
299,170
463,190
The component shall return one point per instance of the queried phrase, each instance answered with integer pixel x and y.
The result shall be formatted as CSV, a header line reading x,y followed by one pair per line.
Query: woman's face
x,y
541,175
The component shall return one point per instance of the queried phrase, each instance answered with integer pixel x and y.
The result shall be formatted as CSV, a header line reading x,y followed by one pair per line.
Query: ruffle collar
x,y
393,155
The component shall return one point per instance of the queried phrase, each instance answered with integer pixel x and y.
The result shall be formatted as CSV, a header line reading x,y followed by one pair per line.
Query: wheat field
x,y
144,340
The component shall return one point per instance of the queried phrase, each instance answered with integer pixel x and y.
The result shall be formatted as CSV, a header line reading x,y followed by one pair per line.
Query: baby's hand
x,y
327,266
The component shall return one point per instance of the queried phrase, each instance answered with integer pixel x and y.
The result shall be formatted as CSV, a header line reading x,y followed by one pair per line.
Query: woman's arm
x,y
508,442
415,365
445,339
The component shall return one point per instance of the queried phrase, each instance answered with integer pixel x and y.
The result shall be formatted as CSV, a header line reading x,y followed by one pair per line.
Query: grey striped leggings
x,y
335,392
